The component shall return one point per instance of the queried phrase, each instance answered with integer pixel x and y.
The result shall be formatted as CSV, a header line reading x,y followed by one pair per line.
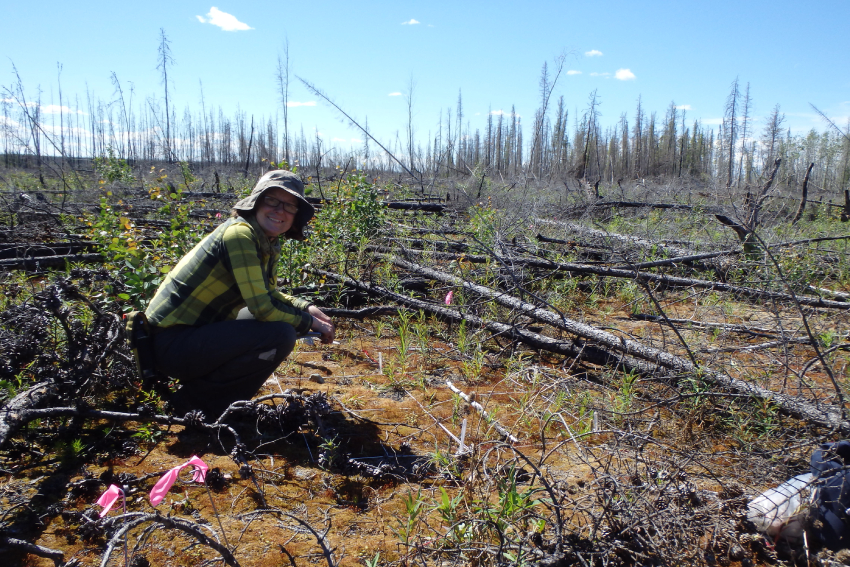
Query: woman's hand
x,y
322,324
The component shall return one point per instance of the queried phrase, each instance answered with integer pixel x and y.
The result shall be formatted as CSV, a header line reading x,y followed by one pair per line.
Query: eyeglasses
x,y
274,203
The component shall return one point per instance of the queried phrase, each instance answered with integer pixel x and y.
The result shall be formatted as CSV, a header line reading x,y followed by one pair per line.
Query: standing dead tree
x,y
730,126
283,89
803,195
165,59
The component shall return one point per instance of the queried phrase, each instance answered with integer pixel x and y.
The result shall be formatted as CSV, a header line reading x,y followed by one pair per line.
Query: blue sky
x,y
362,53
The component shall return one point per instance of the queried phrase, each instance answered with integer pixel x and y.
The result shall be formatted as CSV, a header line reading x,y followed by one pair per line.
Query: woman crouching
x,y
220,325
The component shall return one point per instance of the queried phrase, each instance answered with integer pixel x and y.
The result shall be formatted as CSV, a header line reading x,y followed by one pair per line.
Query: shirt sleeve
x,y
264,302
296,302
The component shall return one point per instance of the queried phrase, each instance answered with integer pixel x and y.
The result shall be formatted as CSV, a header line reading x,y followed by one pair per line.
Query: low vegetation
x,y
523,375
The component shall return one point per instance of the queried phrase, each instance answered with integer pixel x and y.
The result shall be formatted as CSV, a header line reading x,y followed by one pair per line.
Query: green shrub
x,y
353,215
111,168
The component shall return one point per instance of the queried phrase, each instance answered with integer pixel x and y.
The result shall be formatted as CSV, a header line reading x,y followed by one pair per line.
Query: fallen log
x,y
621,238
396,205
693,257
571,243
637,205
361,314
660,279
424,207
811,412
20,250
12,420
8,543
840,295
441,245
808,241
572,348
678,260
41,262
748,348
12,415
417,230
743,329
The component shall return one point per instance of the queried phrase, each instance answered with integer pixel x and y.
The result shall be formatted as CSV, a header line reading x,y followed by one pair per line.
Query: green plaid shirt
x,y
232,267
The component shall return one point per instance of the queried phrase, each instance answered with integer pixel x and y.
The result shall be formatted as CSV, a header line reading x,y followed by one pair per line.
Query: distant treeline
x,y
556,146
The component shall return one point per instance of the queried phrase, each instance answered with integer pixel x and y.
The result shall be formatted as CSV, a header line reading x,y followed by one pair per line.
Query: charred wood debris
x,y
75,361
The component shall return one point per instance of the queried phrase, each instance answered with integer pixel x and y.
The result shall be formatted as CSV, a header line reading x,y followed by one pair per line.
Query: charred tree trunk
x,y
647,277
805,194
827,417
12,414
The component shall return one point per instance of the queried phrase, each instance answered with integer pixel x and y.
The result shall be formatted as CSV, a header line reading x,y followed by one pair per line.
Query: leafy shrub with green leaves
x,y
140,262
483,223
120,242
352,215
113,169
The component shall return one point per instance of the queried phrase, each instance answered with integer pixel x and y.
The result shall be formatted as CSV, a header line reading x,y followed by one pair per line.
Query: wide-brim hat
x,y
292,184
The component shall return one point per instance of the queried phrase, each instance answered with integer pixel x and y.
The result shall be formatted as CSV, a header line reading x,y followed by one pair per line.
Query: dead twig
x,y
133,519
480,409
39,550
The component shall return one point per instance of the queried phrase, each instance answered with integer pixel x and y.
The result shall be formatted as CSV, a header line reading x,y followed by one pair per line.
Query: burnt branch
x,y
648,277
39,550
134,519
824,416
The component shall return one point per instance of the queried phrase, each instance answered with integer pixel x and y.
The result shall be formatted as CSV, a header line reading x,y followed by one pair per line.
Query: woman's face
x,y
275,221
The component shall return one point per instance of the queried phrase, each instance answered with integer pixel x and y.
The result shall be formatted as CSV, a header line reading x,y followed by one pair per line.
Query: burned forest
x,y
548,368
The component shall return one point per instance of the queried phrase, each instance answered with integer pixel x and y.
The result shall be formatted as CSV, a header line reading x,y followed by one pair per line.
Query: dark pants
x,y
220,363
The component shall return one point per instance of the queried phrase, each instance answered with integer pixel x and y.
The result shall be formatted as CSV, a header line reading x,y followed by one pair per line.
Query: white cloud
x,y
56,109
338,139
713,121
683,107
46,108
225,21
394,94
410,22
573,72
624,75
600,74
9,122
356,141
29,104
593,53
502,113
291,103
